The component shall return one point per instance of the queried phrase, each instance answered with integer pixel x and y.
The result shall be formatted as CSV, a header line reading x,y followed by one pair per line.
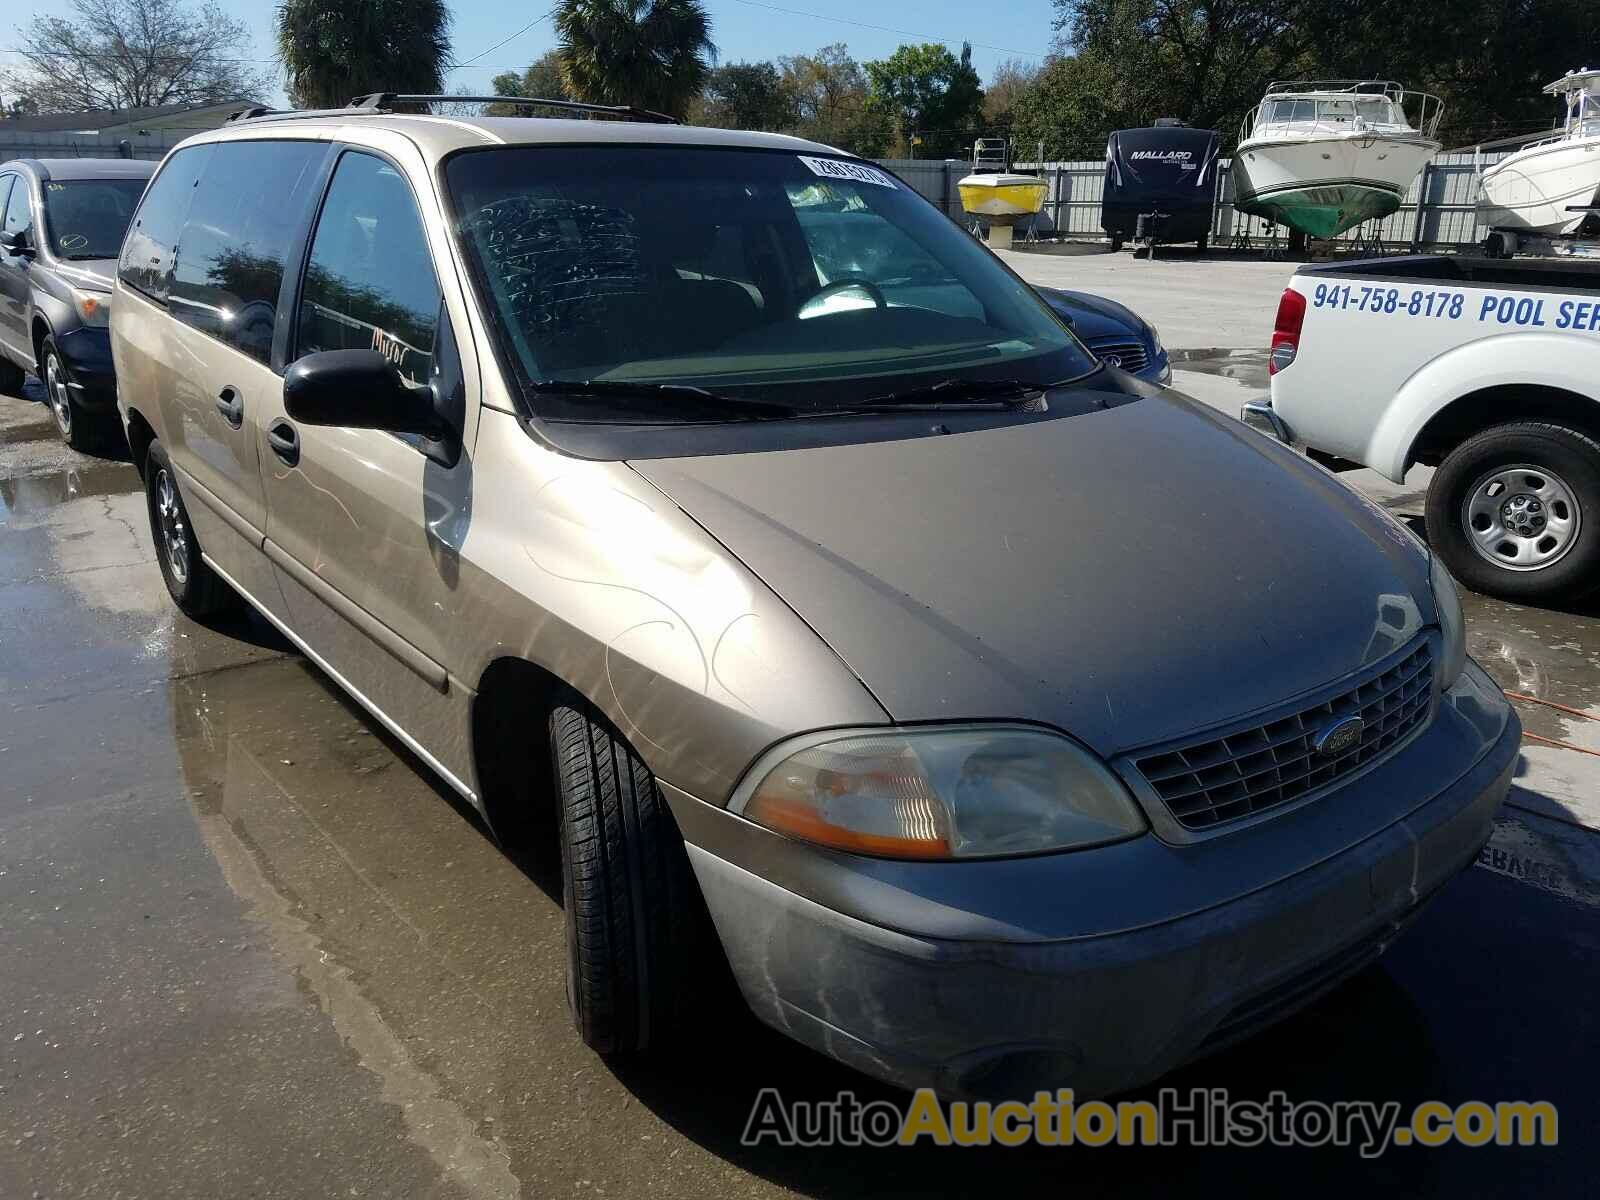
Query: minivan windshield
x,y
86,218
802,281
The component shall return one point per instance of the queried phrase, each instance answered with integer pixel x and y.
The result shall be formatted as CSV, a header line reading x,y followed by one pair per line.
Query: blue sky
x,y
742,29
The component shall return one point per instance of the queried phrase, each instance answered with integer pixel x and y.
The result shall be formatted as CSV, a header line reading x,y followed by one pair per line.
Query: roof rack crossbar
x,y
383,101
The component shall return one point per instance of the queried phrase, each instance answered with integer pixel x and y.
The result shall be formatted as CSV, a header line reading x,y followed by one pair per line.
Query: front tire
x,y
634,917
79,428
1515,512
195,588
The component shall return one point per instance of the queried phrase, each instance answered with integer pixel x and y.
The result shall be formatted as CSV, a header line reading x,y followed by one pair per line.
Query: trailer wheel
x,y
1515,512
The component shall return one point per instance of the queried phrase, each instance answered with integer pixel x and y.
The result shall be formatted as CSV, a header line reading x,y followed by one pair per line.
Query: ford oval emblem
x,y
1342,735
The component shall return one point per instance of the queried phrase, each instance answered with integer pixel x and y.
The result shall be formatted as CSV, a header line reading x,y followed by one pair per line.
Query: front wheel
x,y
1515,512
79,428
636,925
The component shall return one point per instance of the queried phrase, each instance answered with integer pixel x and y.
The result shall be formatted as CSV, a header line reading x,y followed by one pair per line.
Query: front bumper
x,y
884,968
90,374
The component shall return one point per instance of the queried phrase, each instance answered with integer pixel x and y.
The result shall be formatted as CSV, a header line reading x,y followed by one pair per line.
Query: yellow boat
x,y
1002,195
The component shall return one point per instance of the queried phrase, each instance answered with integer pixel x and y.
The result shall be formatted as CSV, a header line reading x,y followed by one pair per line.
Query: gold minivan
x,y
709,507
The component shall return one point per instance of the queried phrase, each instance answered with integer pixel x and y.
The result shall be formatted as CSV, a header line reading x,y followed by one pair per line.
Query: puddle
x,y
35,493
1245,367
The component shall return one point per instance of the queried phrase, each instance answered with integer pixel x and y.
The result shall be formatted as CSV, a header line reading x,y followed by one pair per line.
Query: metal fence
x,y
1439,210
66,144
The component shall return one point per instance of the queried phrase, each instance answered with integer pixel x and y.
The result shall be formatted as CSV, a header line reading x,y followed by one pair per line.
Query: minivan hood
x,y
1128,575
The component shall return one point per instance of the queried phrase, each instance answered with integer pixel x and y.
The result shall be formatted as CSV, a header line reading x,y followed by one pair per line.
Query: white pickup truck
x,y
1486,369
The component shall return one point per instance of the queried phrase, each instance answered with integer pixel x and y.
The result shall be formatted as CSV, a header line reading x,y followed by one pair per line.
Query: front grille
x,y
1130,356
1214,780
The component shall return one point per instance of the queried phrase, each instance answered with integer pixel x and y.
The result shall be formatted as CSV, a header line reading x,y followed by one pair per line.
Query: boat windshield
x,y
803,281
1372,110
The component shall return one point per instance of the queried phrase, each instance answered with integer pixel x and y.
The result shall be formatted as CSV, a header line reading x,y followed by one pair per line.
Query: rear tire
x,y
1515,512
636,925
195,588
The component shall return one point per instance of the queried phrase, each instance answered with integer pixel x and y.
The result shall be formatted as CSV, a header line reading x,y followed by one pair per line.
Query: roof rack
x,y
385,102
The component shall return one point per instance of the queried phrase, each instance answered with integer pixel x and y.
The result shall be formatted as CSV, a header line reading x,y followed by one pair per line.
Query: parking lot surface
x,y
251,947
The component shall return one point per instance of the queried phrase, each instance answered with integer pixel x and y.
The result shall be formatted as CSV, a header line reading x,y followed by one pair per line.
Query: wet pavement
x,y
249,946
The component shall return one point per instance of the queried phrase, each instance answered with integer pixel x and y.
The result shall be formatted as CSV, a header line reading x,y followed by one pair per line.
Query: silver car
x,y
61,224
999,719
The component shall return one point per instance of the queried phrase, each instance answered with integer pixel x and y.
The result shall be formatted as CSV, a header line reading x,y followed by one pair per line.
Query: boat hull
x,y
1325,186
1002,195
1531,190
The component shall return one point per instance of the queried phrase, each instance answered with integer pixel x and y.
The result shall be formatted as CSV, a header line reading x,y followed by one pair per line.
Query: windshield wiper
x,y
956,393
680,400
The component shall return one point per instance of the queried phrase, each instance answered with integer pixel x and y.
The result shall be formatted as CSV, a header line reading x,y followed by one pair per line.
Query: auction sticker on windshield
x,y
832,168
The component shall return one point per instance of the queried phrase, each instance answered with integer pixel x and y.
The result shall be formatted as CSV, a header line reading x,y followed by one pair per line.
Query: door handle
x,y
285,442
231,405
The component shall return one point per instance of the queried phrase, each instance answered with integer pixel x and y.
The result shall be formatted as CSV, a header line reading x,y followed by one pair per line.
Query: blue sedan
x,y
1115,333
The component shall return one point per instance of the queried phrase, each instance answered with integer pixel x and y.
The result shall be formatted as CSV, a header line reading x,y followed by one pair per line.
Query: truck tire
x,y
195,588
634,916
1515,512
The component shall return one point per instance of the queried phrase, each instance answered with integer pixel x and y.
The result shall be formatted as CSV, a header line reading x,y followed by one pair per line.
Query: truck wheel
x,y
1515,512
195,588
634,917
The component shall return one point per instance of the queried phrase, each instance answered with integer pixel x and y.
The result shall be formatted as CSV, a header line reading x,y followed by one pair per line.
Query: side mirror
x,y
361,389
16,242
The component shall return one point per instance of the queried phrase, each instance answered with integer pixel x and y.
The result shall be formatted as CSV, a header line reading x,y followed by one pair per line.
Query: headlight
x,y
1452,623
949,792
94,308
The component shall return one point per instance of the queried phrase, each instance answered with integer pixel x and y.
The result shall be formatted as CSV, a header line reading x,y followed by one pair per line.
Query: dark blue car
x,y
1115,333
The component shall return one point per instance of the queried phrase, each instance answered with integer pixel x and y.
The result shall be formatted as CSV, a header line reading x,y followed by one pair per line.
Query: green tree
x,y
833,103
931,94
1209,61
542,79
1075,102
651,53
748,96
335,49
1013,79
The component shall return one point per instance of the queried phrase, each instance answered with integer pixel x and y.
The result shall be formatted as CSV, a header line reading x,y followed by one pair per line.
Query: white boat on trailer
x,y
1550,189
1323,156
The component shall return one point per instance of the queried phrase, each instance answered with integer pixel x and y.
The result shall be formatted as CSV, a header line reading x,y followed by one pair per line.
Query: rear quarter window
x,y
249,204
151,245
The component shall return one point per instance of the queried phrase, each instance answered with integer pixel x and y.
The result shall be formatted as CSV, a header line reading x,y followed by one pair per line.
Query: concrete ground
x,y
250,947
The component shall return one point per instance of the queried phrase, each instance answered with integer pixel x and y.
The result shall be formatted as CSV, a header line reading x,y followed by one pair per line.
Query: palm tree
x,y
651,53
335,49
